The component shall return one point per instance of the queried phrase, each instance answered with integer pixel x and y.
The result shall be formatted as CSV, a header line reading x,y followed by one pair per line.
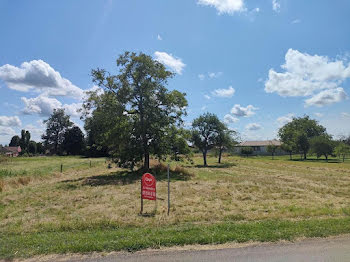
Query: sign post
x,y
168,190
148,188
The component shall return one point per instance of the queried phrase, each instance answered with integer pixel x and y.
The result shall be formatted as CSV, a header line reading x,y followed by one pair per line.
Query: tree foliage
x,y
56,126
226,139
342,150
15,141
322,145
271,148
135,112
73,142
299,131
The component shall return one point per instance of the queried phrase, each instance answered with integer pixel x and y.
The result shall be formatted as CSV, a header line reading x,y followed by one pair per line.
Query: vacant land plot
x,y
87,209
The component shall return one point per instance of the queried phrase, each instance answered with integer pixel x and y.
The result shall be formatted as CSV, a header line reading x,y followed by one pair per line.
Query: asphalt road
x,y
330,249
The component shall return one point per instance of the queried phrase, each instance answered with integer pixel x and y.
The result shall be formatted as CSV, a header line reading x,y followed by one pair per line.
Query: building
x,y
260,147
11,151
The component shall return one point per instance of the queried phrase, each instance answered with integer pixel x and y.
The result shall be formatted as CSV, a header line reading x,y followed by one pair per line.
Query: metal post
x,y
141,198
168,190
61,168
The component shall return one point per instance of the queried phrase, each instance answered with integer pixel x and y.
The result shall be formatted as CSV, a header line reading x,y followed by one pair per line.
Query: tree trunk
x,y
205,158
290,155
304,155
343,158
326,157
220,153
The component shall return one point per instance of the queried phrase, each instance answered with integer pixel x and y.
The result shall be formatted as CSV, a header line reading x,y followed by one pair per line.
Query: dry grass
x,y
240,189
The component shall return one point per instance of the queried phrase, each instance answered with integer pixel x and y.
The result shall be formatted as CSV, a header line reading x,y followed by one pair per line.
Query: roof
x,y
11,149
261,143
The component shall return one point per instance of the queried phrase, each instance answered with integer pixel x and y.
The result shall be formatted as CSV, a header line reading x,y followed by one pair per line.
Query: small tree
x,y
225,140
15,141
246,151
342,150
289,148
32,149
322,145
205,132
56,126
272,149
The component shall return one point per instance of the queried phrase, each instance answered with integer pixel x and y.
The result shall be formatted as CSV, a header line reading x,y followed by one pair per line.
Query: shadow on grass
x,y
224,165
125,177
315,160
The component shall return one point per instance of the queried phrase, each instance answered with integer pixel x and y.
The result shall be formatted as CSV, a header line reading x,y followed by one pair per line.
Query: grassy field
x,y
87,209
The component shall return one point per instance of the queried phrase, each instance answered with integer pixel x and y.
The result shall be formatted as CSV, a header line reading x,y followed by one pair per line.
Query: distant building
x,y
11,151
260,147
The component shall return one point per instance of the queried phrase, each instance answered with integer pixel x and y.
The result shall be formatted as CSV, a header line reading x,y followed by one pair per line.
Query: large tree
x,y
205,132
299,131
73,142
56,126
136,108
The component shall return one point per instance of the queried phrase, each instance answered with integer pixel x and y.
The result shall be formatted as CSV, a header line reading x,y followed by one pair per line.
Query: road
x,y
329,249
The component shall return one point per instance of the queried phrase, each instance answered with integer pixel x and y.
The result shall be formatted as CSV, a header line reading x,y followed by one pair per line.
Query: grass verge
x,y
135,238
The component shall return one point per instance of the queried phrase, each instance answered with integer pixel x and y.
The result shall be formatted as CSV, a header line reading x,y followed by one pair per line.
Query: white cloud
x,y
307,75
36,130
40,77
44,106
201,76
296,21
228,119
327,97
6,131
253,126
203,108
276,6
241,111
159,37
207,97
281,121
10,121
318,114
345,114
229,92
224,6
169,60
214,75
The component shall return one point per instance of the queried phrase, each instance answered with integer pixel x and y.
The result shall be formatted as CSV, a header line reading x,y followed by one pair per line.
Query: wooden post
x,y
141,198
61,168
168,190
90,163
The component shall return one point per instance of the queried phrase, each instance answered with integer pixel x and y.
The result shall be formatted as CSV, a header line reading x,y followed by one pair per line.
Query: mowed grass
x,y
97,209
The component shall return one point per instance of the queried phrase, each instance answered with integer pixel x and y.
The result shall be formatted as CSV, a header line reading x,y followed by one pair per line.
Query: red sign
x,y
148,187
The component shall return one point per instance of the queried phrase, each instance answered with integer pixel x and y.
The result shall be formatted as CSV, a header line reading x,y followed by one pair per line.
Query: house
x,y
260,147
12,151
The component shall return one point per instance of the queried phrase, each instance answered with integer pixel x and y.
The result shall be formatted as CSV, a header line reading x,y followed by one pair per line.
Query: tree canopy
x,y
134,114
297,133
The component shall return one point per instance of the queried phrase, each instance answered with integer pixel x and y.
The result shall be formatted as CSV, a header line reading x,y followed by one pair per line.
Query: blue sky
x,y
255,64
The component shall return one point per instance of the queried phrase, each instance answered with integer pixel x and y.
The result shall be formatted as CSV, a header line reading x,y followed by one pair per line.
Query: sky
x,y
256,64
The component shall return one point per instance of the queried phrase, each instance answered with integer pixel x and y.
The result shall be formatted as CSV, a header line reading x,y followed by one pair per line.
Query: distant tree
x,y
225,140
272,150
56,126
32,149
135,111
15,141
73,142
205,132
246,151
300,130
178,140
289,148
40,148
342,150
322,145
24,141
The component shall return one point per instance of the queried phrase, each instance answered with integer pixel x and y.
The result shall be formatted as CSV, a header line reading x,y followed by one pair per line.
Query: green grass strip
x,y
132,239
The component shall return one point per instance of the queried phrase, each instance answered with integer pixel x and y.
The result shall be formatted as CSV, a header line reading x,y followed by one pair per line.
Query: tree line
x,y
136,117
